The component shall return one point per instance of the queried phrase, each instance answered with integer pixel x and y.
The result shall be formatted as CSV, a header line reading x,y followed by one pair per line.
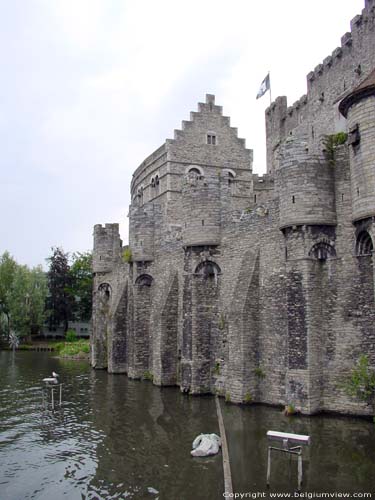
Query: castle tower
x,y
359,109
107,252
107,247
306,187
307,219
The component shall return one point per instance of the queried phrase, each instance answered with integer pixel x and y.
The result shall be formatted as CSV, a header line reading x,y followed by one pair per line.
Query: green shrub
x,y
71,336
290,409
361,382
127,255
147,375
227,397
330,144
247,399
259,372
73,349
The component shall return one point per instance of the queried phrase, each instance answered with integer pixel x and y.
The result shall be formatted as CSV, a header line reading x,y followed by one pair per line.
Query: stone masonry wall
x,y
254,288
317,111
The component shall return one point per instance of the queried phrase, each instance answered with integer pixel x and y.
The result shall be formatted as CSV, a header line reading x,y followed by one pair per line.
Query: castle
x,y
257,288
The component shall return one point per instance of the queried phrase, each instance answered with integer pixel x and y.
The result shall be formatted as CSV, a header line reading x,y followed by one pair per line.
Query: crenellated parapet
x,y
336,76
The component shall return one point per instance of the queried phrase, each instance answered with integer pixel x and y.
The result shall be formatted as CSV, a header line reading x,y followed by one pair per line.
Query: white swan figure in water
x,y
206,444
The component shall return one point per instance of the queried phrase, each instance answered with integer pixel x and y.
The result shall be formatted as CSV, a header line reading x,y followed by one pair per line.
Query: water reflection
x,y
113,438
117,439
341,457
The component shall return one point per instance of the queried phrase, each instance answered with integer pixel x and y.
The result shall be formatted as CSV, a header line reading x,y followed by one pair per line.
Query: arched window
x,y
229,174
105,291
208,269
144,280
195,170
140,195
322,251
155,181
364,245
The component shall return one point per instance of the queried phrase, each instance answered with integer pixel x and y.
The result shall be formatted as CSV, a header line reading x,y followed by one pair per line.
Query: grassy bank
x,y
77,349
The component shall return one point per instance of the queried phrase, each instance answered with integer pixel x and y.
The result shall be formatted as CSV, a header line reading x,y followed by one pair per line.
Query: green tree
x,y
81,285
27,301
8,268
361,382
60,303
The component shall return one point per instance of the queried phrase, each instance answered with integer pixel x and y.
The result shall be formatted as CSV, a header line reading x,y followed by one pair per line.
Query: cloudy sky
x,y
89,88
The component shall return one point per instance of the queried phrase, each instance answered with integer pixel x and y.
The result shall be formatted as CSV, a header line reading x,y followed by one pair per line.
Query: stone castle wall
x,y
260,289
316,113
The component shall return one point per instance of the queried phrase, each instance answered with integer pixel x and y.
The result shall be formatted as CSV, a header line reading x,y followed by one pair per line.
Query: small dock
x,y
41,347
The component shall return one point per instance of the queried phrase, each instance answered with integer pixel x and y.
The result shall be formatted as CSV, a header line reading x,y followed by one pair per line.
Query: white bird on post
x,y
52,380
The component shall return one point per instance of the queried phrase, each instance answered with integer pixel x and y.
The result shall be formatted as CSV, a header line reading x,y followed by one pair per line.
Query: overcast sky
x,y
89,88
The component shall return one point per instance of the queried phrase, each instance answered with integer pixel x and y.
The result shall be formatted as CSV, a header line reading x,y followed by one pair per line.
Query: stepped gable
x,y
364,89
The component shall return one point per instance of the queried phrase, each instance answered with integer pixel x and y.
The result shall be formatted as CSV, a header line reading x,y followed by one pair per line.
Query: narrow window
x,y
357,191
211,139
293,199
342,197
255,198
202,222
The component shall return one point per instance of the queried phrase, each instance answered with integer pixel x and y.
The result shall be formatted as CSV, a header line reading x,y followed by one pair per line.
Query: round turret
x,y
306,188
359,109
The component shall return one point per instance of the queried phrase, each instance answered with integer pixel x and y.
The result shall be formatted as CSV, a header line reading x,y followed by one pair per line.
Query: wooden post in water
x,y
228,487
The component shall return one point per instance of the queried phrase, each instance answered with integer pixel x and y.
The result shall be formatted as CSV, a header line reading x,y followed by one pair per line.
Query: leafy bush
x,y
330,144
73,348
127,255
147,375
290,409
71,336
247,399
361,382
259,372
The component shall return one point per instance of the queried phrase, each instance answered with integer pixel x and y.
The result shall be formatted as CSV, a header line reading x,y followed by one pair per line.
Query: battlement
x,y
331,80
100,229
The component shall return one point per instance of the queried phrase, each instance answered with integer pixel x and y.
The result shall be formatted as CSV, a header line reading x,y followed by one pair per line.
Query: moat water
x,y
120,439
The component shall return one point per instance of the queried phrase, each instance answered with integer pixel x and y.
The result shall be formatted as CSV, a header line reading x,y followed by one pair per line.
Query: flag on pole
x,y
265,85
